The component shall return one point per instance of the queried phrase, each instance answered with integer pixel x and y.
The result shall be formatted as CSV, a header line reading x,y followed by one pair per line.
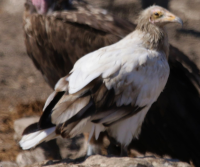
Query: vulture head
x,y
45,6
152,21
157,16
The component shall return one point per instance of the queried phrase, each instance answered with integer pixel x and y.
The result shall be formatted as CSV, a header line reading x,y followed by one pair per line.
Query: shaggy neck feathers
x,y
155,37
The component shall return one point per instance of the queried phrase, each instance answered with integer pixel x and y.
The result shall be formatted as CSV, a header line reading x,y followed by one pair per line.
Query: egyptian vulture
x,y
110,89
172,124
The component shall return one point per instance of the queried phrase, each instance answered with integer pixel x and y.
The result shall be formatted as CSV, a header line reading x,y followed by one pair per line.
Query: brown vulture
x,y
55,40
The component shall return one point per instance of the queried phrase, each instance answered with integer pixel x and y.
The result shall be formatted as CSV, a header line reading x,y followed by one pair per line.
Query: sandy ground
x,y
20,82
22,88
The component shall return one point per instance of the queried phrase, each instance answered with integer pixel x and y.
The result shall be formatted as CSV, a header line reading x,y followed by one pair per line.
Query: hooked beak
x,y
174,19
178,20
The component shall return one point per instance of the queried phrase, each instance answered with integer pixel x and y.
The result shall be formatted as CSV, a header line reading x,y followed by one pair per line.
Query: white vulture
x,y
54,42
110,89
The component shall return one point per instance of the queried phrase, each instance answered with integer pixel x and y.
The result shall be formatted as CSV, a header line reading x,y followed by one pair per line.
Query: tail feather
x,y
65,114
32,139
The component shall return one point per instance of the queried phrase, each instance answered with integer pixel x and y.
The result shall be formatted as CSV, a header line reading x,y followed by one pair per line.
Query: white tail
x,y
31,140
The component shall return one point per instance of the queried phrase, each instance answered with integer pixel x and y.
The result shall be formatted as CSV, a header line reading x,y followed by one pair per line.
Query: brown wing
x,y
55,42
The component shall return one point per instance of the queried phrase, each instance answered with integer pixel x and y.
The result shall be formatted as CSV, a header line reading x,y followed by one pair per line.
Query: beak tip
x,y
179,20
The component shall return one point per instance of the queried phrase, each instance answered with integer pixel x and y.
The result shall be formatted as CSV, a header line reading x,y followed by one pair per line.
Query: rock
x,y
30,157
102,161
54,149
8,164
21,124
76,147
34,155
72,148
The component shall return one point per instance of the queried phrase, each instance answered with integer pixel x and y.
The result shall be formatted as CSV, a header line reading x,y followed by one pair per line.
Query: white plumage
x,y
138,75
109,89
35,138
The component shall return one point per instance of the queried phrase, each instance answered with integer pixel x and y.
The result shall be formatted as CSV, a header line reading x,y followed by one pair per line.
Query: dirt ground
x,y
23,89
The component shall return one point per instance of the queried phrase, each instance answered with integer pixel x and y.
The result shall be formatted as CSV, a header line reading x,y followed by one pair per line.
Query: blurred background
x,y
22,87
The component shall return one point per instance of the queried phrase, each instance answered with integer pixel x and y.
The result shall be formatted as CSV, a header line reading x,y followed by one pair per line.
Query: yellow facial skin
x,y
157,14
164,17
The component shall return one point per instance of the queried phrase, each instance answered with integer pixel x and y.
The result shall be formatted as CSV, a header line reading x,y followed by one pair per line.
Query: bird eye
x,y
156,14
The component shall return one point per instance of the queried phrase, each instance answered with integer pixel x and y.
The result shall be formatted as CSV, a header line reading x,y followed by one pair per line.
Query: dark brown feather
x,y
55,42
45,119
30,129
